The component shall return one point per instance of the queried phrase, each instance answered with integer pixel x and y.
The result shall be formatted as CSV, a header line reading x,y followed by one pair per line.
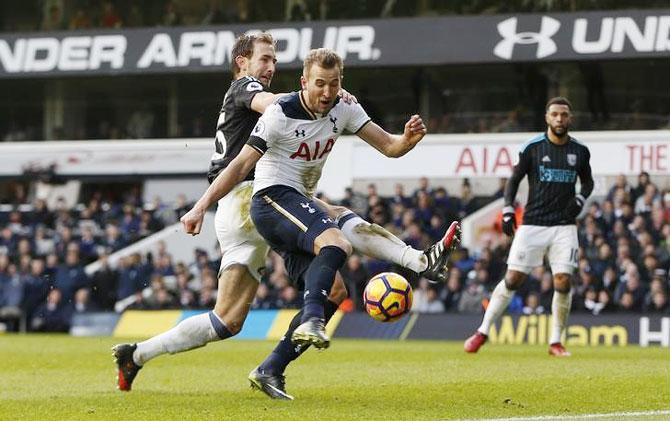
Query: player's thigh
x,y
563,249
528,248
333,211
288,220
332,237
237,289
240,242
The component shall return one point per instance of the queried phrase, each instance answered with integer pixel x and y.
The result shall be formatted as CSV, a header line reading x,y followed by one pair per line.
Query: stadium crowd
x,y
623,262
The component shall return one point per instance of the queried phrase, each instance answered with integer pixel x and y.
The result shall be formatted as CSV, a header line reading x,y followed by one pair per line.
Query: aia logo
x,y
305,153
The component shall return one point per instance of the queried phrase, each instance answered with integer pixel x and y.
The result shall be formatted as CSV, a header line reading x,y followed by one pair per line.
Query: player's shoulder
x,y
532,142
577,143
248,84
291,106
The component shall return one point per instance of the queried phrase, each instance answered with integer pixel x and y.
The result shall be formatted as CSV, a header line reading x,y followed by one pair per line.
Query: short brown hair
x,y
323,57
244,46
558,100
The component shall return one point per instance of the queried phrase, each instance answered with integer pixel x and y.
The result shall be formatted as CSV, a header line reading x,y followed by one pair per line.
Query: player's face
x,y
558,119
322,86
262,63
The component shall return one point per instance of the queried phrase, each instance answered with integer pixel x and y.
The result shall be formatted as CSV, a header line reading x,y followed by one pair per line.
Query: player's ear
x,y
241,62
303,82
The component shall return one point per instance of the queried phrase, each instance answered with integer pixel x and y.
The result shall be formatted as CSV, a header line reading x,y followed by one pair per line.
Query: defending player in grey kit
x,y
552,161
244,250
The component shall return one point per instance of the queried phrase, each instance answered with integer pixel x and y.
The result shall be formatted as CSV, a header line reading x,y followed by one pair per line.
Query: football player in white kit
x,y
288,147
244,249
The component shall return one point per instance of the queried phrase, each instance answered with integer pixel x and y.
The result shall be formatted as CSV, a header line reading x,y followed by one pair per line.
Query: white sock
x,y
375,241
190,333
560,310
500,299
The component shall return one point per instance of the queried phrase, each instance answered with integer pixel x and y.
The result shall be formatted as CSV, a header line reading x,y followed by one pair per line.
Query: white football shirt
x,y
295,142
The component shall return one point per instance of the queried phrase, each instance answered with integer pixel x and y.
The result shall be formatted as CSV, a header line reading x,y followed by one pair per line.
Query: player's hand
x,y
347,97
509,221
575,207
192,221
415,130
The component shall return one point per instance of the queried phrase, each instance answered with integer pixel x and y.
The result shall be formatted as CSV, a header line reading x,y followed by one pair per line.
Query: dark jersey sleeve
x,y
246,91
585,176
258,144
518,173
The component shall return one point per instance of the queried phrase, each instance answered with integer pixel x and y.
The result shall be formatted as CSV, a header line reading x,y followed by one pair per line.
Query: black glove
x,y
509,221
575,207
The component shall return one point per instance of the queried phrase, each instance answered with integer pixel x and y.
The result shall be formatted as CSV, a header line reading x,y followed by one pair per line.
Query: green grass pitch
x,y
60,377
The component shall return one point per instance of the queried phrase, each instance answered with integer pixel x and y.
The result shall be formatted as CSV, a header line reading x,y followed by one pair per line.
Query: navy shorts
x,y
290,222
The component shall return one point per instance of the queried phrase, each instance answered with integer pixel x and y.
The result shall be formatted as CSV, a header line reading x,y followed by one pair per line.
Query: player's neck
x,y
304,100
557,140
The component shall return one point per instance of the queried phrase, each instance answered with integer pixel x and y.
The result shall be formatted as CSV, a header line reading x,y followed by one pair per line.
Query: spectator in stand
x,y
11,294
132,277
110,17
82,301
263,299
644,203
451,294
181,206
289,298
630,293
620,187
80,19
426,298
643,180
207,295
424,186
399,196
135,18
171,17
355,278
472,298
533,305
35,288
54,315
104,284
113,239
53,19
70,276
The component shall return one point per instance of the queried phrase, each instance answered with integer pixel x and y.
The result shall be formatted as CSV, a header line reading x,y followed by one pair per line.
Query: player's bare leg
x,y
268,377
500,298
237,288
560,310
376,241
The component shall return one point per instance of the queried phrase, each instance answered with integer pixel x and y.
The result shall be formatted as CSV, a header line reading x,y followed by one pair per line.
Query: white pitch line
x,y
583,416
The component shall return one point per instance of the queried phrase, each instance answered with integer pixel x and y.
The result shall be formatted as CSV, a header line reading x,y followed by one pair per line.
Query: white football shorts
x,y
531,243
239,241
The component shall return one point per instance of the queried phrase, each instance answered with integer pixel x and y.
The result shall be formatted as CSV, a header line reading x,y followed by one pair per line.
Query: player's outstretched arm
x,y
391,145
235,172
262,100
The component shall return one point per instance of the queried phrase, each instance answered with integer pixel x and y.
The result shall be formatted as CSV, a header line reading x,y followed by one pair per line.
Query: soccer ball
x,y
387,297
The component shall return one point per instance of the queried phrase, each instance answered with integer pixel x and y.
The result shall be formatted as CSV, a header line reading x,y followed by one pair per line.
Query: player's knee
x,y
233,321
514,279
341,243
562,282
335,211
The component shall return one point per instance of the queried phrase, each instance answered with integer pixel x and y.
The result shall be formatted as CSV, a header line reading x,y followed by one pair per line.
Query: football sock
x,y
375,241
286,351
500,299
190,333
560,310
319,279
